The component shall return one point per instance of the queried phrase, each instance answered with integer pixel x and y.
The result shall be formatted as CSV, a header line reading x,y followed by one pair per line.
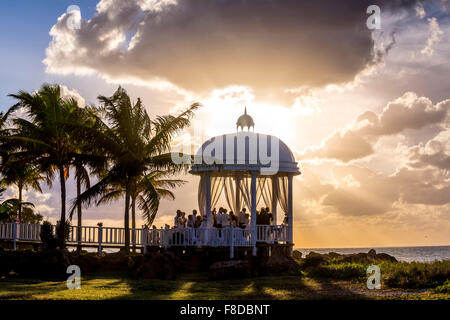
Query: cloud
x,y
68,93
201,45
435,153
409,112
435,36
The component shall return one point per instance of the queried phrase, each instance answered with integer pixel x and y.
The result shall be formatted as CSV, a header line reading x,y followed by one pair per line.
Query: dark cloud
x,y
269,45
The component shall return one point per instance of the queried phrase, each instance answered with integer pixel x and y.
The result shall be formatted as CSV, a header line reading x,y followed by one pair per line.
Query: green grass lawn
x,y
115,286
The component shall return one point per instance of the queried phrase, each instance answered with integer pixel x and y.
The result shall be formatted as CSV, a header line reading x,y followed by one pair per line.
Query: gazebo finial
x,y
245,121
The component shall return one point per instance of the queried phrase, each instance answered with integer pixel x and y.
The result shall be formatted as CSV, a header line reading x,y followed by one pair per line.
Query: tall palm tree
x,y
82,180
44,138
133,144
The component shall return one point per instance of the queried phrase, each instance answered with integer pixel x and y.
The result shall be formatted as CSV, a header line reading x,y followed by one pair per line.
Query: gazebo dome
x,y
245,121
241,152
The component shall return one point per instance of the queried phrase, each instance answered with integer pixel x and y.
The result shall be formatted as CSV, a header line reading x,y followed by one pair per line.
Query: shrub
x,y
415,275
47,237
342,271
67,226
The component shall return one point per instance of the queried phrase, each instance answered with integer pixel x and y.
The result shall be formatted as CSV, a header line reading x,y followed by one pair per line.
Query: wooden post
x,y
144,239
100,235
15,235
232,243
164,236
253,218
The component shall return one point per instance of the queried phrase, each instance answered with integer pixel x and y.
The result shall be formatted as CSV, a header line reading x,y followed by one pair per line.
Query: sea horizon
x,y
401,253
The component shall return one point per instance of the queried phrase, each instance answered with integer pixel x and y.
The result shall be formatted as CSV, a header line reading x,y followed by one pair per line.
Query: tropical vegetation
x,y
46,135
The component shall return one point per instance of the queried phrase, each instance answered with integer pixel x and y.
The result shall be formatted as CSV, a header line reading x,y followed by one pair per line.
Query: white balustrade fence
x,y
164,238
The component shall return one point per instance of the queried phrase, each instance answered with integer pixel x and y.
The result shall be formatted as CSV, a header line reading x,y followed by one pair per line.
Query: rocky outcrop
x,y
156,265
297,255
51,264
314,259
234,269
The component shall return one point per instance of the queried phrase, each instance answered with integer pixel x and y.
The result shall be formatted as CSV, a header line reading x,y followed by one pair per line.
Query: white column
x,y
253,217
274,199
14,235
208,198
290,208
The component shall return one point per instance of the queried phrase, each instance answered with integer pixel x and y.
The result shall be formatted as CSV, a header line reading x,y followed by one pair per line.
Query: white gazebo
x,y
248,168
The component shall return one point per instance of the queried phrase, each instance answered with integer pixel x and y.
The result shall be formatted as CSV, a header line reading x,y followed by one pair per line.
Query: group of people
x,y
222,219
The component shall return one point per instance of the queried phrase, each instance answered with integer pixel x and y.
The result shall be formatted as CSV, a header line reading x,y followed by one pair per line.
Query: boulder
x,y
275,266
157,265
313,259
297,255
51,264
233,269
372,253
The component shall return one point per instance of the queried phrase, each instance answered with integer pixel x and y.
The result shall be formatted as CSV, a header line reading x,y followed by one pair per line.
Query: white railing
x,y
271,234
213,237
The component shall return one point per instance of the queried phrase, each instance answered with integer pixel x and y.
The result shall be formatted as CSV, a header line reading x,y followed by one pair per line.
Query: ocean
x,y
408,254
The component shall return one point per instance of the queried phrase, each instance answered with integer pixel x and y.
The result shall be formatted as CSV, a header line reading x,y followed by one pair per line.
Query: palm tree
x,y
9,207
23,175
44,139
147,193
133,144
82,180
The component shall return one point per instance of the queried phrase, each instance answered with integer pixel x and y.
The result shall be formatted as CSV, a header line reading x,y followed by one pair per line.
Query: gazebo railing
x,y
115,236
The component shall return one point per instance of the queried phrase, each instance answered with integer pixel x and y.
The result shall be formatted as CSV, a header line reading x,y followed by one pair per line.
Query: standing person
x,y
219,218
198,222
241,218
233,219
270,215
247,221
176,219
194,213
182,220
190,221
225,219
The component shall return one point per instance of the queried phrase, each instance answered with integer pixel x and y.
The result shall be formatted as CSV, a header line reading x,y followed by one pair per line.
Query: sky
x,y
365,112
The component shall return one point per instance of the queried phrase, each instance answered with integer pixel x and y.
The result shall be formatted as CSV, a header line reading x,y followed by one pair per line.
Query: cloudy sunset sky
x,y
365,112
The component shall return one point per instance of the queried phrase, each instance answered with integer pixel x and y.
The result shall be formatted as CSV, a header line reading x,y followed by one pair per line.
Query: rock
x,y
313,259
279,266
372,253
51,264
163,266
234,269
385,257
296,255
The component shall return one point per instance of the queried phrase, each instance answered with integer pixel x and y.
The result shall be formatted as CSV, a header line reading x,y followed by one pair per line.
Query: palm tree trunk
x,y
78,216
127,217
62,221
133,220
20,203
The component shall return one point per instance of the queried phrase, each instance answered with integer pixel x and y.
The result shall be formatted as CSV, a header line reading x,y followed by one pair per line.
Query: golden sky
x,y
366,112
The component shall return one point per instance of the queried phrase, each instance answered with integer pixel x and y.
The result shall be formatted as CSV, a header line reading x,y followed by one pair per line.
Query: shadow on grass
x,y
197,287
187,287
